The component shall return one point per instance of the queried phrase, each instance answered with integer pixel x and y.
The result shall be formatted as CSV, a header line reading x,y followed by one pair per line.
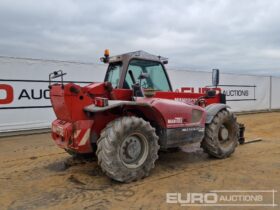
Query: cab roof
x,y
140,54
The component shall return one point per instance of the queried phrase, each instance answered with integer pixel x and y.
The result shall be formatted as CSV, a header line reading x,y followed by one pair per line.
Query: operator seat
x,y
137,90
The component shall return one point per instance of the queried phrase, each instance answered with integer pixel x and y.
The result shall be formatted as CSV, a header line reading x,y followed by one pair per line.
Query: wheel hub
x,y
223,133
134,150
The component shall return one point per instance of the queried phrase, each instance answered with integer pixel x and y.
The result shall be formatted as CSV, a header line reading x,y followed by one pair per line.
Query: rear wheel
x,y
127,149
221,135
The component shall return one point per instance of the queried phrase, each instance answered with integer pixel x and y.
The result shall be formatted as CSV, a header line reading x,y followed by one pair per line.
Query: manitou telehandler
x,y
134,113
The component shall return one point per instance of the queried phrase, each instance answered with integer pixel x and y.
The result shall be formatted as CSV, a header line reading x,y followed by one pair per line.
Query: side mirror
x,y
210,93
215,77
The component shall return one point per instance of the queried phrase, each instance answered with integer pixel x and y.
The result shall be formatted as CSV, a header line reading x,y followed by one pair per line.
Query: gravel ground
x,y
36,174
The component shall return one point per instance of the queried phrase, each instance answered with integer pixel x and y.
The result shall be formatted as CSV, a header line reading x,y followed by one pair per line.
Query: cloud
x,y
235,36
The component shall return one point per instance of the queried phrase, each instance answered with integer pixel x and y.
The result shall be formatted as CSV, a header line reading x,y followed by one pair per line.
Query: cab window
x,y
153,75
113,74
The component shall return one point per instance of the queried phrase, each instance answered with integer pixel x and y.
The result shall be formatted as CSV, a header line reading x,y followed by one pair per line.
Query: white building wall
x,y
245,93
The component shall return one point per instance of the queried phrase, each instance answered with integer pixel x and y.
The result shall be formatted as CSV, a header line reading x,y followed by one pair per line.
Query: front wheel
x,y
221,135
127,149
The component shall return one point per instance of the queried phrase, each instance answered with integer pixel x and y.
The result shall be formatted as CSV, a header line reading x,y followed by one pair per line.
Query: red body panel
x,y
68,107
73,136
175,114
75,130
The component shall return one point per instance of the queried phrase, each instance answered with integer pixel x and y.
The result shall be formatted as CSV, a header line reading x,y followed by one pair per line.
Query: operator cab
x,y
138,71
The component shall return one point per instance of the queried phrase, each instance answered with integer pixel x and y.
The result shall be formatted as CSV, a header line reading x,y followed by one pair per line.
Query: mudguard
x,y
212,110
172,119
140,107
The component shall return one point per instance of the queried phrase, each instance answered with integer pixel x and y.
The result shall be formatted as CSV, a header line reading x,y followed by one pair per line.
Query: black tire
x,y
216,143
127,149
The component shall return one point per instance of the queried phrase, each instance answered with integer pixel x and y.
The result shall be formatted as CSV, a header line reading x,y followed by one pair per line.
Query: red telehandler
x,y
134,113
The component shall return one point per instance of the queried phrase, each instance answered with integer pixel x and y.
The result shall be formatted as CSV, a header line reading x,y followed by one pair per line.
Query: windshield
x,y
154,75
113,74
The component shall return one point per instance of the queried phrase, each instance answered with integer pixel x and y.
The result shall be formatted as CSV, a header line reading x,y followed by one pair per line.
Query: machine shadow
x,y
87,173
